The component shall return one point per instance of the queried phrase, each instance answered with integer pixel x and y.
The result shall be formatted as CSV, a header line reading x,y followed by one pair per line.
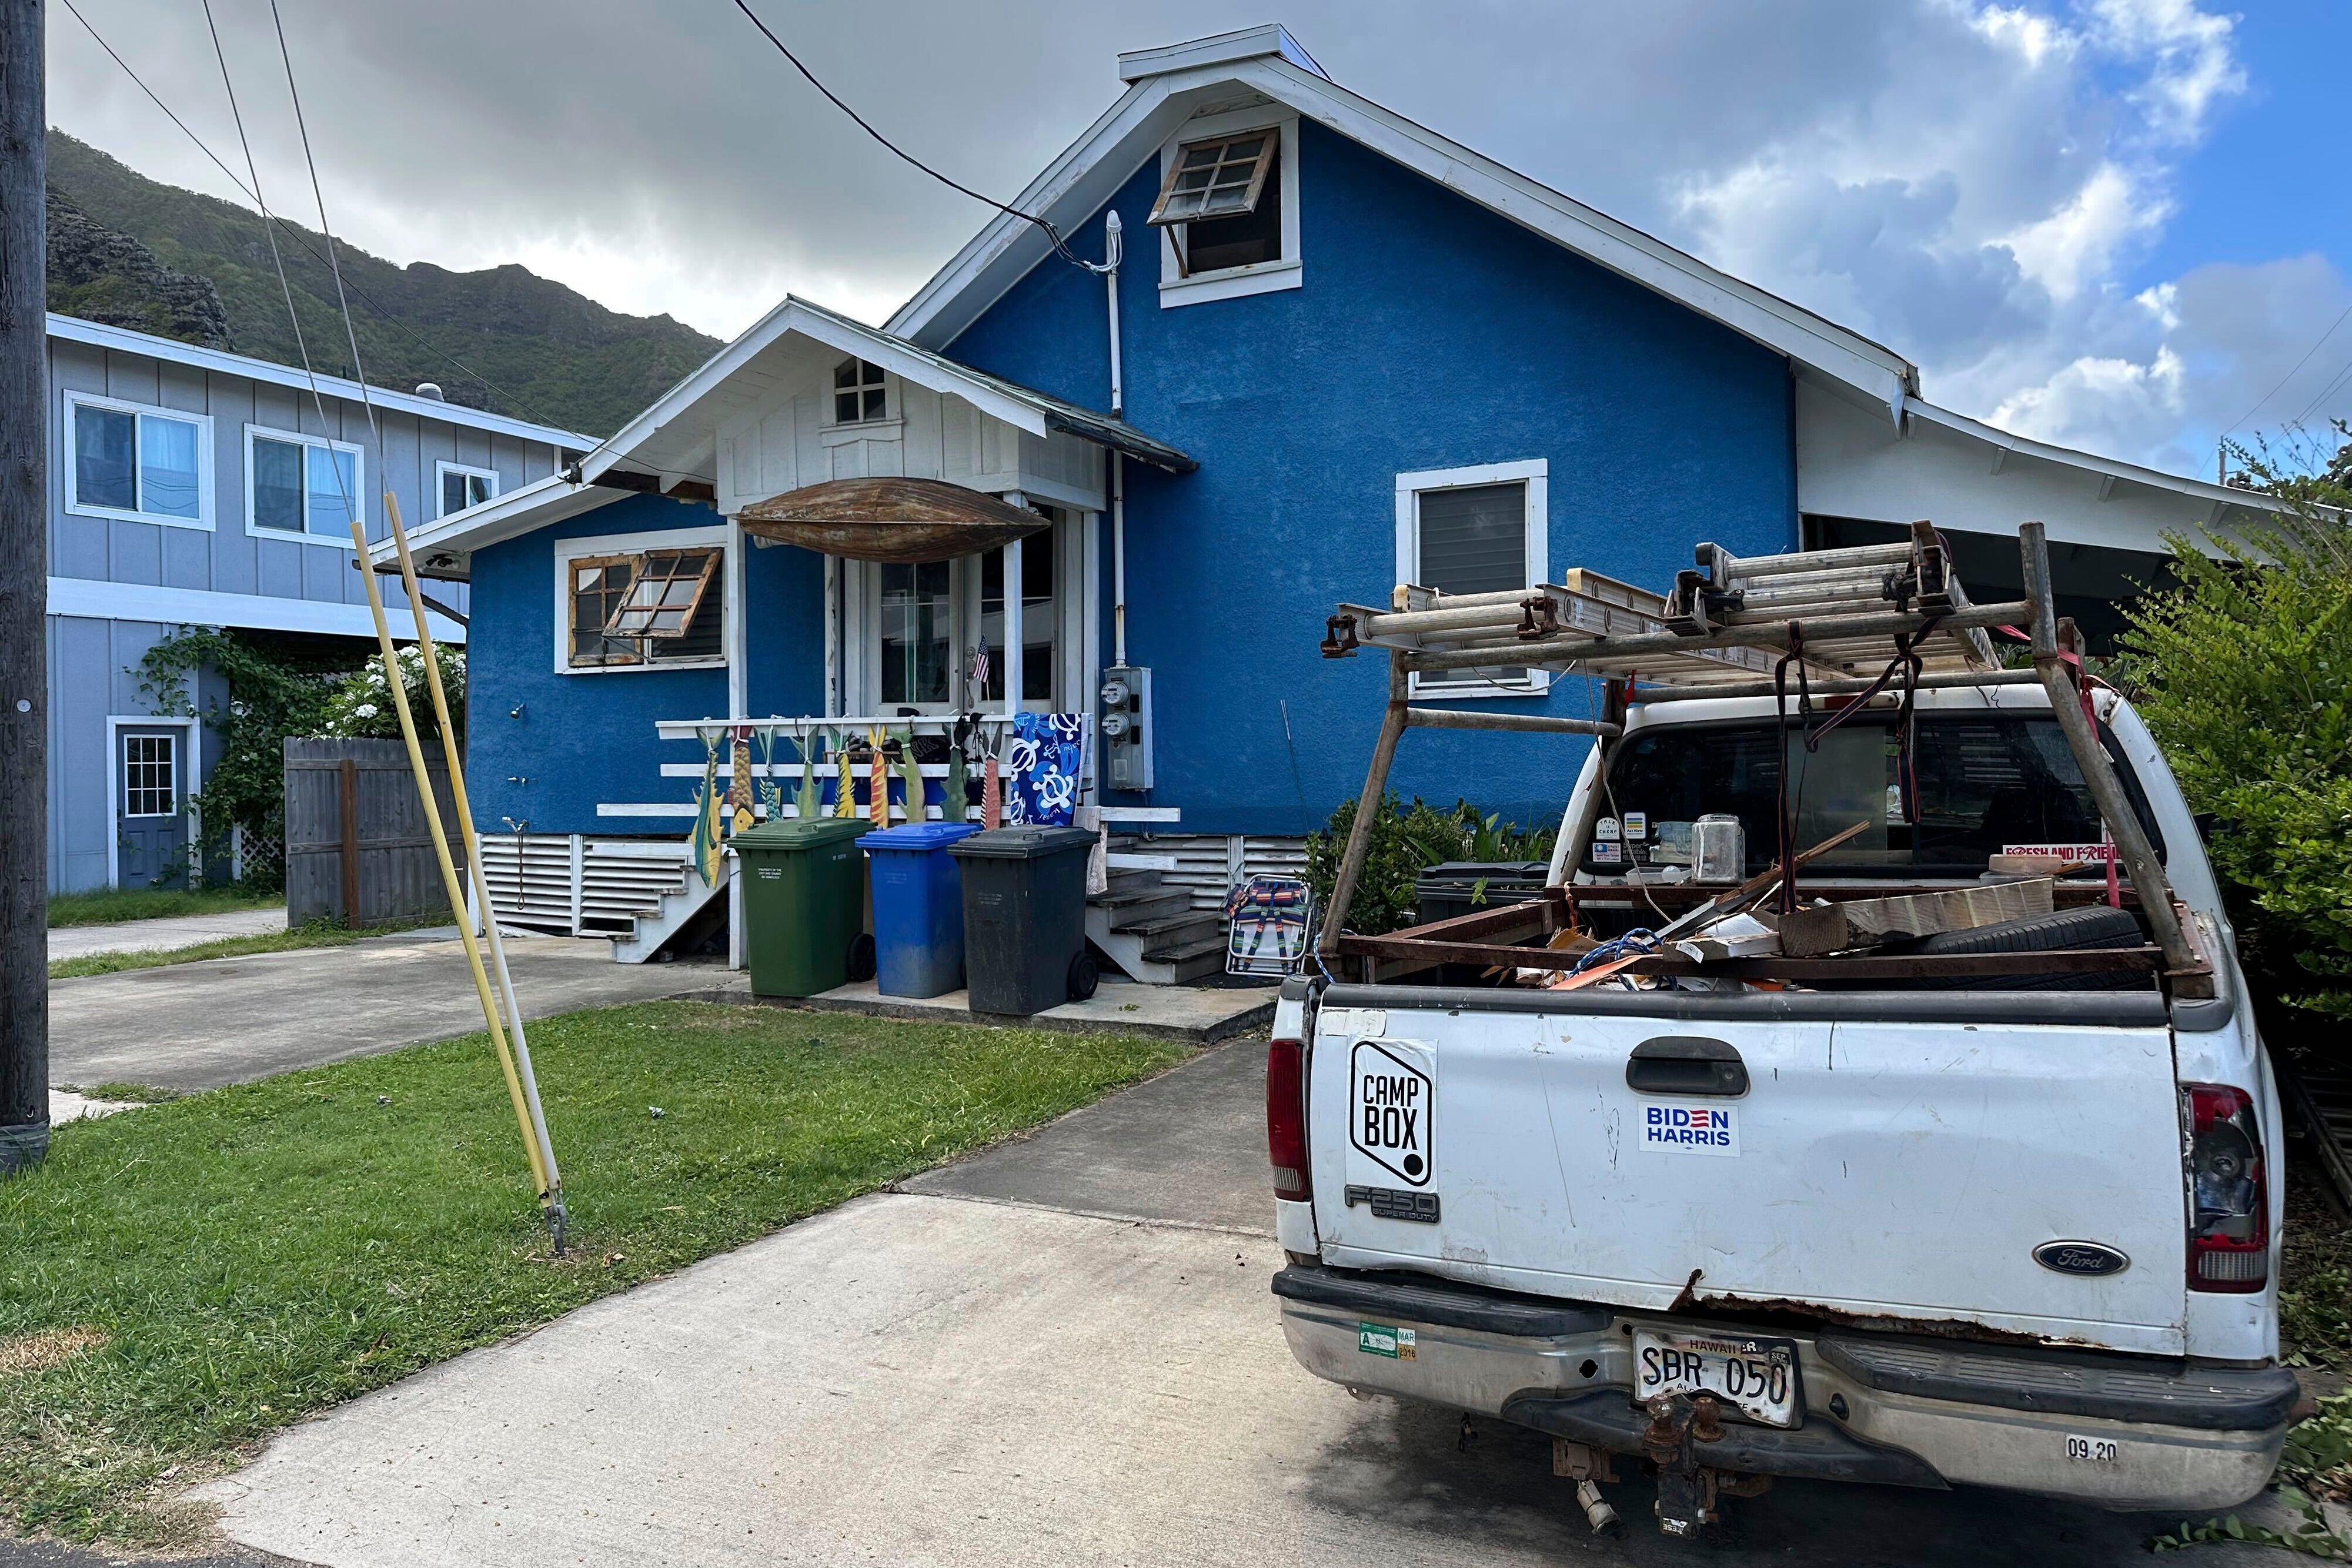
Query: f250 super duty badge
x,y
1390,1102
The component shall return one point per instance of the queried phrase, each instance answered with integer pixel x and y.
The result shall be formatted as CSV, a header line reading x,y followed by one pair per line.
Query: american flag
x,y
980,669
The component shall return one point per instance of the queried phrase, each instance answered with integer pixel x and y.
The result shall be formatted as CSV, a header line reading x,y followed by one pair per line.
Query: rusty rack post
x,y
2190,975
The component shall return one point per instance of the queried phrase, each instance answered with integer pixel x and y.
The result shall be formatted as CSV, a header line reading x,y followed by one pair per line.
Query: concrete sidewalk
x,y
163,935
1063,1350
228,1021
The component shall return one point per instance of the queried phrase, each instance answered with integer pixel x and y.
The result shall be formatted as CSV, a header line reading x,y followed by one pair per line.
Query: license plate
x,y
1756,1376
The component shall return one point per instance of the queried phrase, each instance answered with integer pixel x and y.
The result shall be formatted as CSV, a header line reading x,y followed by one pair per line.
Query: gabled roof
x,y
73,329
721,385
675,439
1168,85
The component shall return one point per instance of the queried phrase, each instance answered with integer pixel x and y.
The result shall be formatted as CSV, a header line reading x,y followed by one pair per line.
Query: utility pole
x,y
24,593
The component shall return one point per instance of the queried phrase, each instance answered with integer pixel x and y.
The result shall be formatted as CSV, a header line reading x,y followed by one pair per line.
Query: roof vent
x,y
431,389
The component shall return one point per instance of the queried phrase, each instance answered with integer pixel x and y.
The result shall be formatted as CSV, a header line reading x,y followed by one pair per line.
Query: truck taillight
x,y
1286,1119
2228,1191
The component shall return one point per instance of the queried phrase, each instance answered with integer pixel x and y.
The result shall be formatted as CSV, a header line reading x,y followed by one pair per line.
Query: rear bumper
x,y
1919,1412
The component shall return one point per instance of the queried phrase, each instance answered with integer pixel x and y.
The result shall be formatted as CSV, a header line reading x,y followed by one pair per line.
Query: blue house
x,y
1340,353
194,487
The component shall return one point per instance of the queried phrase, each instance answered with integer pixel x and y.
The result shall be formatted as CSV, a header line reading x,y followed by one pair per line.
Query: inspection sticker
x,y
1690,1129
1637,824
1379,1338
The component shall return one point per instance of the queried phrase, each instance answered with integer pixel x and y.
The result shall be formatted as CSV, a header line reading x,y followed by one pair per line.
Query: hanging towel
x,y
1043,761
877,781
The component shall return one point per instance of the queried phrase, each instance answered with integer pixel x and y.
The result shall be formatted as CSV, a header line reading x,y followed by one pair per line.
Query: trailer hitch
x,y
1679,1424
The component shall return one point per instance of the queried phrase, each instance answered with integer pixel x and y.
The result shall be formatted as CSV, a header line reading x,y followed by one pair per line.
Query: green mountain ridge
x,y
553,355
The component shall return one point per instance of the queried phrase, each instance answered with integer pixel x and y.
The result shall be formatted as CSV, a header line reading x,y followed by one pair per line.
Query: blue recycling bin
x,y
918,907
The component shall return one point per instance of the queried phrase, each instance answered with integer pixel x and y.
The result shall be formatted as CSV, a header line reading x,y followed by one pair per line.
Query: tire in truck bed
x,y
2065,930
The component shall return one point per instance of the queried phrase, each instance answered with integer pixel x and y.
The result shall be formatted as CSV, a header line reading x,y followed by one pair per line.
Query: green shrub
x,y
2243,671
1405,841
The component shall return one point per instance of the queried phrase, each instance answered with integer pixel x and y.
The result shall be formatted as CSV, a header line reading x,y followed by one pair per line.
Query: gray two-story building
x,y
194,487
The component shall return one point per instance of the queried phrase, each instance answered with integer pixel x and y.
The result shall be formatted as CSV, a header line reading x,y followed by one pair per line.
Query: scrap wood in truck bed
x,y
1869,922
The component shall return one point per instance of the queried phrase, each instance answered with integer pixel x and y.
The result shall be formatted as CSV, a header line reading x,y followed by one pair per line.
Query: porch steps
x,y
1151,930
684,903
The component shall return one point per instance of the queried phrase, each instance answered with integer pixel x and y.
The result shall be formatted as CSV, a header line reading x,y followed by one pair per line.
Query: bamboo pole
x,y
471,842
1368,806
1523,722
449,881
2190,976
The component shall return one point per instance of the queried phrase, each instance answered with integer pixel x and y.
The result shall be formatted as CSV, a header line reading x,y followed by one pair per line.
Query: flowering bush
x,y
362,706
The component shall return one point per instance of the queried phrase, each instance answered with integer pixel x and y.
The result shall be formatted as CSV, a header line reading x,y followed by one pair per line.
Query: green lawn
x,y
316,933
107,905
178,1282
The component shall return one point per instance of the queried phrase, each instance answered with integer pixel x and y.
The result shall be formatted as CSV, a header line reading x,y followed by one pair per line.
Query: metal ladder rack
x,y
1849,619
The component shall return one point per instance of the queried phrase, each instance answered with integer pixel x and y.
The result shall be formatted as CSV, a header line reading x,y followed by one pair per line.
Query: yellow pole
x,y
471,842
441,852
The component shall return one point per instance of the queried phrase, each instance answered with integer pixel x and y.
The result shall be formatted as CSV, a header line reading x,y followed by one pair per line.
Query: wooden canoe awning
x,y
889,519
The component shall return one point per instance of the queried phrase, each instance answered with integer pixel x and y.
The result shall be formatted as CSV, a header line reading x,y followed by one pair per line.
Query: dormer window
x,y
1222,202
859,394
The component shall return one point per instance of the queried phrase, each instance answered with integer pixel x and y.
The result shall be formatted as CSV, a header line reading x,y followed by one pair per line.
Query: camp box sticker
x,y
1689,1129
1391,1098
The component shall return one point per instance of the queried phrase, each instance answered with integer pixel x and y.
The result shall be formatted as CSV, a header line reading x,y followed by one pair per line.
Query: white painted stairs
x,y
682,902
1150,929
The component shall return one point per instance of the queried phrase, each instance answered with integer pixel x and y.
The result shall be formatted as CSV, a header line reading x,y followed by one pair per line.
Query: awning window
x,y
1219,178
665,596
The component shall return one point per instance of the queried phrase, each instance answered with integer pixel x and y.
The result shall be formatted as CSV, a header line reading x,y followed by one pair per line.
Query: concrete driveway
x,y
229,1020
1060,1351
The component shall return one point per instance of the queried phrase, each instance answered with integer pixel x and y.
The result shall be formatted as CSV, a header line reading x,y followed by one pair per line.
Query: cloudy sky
x,y
2118,224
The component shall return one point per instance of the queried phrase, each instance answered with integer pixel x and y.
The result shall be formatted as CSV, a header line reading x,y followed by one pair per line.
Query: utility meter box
x,y
1126,727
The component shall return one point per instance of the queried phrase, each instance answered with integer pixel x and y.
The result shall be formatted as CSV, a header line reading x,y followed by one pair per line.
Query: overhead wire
x,y
1053,235
295,235
2316,344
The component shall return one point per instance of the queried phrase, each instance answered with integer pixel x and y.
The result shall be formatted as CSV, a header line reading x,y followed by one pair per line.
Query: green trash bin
x,y
804,905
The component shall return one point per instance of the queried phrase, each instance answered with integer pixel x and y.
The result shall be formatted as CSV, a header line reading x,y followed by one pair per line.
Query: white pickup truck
x,y
1927,1234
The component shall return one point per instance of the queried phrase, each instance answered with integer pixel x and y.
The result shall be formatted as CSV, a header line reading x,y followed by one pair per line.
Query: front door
x,y
152,829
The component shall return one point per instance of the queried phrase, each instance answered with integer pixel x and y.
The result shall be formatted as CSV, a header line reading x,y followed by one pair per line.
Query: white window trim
x,y
296,438
1535,473
1259,278
443,468
884,428
204,424
569,550
122,742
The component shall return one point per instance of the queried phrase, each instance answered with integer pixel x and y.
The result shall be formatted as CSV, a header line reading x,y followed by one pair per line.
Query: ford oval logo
x,y
2087,1258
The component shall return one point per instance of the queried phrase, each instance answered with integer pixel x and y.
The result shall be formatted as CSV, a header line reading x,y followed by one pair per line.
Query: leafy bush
x,y
1405,841
361,707
2243,671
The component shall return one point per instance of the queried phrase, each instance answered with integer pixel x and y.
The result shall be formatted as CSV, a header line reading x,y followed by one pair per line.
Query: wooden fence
x,y
357,848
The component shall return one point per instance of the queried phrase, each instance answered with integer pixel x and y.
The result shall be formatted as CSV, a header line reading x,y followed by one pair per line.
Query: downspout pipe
x,y
1114,252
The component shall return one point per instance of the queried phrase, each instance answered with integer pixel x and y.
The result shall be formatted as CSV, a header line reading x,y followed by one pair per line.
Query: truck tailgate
x,y
1874,1170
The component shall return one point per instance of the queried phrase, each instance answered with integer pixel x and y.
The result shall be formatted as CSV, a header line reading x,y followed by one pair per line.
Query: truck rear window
x,y
1986,783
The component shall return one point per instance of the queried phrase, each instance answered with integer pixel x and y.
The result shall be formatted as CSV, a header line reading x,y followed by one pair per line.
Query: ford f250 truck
x,y
2017,1232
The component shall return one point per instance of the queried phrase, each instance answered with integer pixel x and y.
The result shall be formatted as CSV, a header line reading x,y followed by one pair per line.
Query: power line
x,y
294,234
350,332
2290,375
1051,233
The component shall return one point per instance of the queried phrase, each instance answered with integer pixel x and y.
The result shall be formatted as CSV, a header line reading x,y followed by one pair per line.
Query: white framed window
x,y
861,394
1227,211
641,601
458,487
1475,530
138,463
303,487
151,775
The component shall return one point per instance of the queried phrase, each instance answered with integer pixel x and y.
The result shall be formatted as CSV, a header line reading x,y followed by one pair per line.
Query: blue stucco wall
x,y
1429,334
582,739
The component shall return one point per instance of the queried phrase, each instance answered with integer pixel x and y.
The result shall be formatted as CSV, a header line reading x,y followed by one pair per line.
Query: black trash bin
x,y
1444,890
1024,918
